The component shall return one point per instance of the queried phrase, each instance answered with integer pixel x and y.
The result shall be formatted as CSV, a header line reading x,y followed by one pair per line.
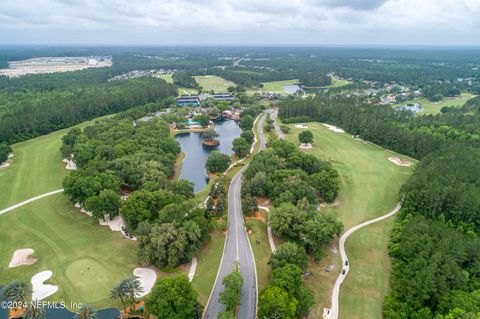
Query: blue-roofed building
x,y
188,100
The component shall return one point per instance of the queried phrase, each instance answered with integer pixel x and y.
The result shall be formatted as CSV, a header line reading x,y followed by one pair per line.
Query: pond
x,y
193,165
109,313
291,89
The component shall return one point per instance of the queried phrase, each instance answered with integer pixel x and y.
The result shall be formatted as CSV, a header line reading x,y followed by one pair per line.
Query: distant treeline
x,y
399,131
28,114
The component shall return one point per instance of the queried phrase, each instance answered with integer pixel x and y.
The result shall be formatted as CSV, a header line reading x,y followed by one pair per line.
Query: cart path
x,y
32,199
334,311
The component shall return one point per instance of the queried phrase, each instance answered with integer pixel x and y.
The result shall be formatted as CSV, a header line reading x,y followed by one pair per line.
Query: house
x,y
188,100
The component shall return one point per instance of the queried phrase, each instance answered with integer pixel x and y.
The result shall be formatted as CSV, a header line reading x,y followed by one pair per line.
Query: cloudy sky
x,y
247,22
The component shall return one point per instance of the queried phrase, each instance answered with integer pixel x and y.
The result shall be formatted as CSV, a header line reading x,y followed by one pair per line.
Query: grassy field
x,y
337,82
277,86
36,168
435,107
166,76
213,82
369,188
67,243
208,261
261,252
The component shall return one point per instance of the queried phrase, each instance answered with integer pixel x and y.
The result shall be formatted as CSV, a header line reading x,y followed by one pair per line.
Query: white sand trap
x,y
71,165
147,279
334,128
301,126
115,224
399,162
40,290
10,155
86,212
22,257
305,146
5,165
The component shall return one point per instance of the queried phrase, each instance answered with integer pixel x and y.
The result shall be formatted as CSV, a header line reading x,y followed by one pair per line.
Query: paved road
x,y
274,114
237,249
25,202
335,309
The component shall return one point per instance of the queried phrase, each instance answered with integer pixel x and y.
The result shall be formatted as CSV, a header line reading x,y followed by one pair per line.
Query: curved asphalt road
x,y
237,249
334,311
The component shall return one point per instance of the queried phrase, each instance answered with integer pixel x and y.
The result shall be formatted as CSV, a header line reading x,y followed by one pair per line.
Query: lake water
x,y
291,89
193,165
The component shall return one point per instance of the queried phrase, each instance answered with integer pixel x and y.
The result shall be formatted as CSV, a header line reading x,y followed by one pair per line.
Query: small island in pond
x,y
209,138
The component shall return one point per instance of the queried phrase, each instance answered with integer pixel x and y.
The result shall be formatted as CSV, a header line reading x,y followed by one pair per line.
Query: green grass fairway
x,y
213,82
261,252
66,242
369,188
208,261
166,76
36,168
277,86
435,107
337,82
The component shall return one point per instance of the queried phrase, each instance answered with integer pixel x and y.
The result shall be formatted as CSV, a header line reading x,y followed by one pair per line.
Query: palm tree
x,y
118,292
17,291
33,311
133,287
126,289
86,312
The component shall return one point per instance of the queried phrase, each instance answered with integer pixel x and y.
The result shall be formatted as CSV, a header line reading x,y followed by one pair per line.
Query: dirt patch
x,y
22,257
257,216
399,161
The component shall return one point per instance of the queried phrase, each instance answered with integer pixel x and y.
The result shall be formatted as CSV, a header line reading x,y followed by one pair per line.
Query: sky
x,y
240,22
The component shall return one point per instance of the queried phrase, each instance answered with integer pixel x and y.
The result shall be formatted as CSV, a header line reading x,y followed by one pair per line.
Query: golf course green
x,y
369,188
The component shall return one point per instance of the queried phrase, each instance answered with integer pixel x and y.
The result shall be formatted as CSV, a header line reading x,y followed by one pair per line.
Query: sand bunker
x,y
301,126
71,165
86,212
334,128
10,155
305,146
399,162
22,257
115,224
4,165
39,289
147,279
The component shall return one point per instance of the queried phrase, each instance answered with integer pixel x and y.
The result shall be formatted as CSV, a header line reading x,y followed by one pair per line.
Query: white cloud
x,y
241,21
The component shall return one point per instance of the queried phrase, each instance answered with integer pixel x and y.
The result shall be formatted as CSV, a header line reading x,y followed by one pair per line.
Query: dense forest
x,y
435,244
24,115
118,154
